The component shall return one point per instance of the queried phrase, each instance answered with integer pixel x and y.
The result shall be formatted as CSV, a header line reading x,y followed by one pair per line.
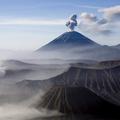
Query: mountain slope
x,y
99,81
116,46
75,45
69,39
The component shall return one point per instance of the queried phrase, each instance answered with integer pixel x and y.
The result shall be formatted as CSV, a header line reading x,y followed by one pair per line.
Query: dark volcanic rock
x,y
73,100
69,40
83,87
78,46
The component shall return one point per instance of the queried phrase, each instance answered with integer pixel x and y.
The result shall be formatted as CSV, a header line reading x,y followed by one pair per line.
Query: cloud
x,y
105,25
106,32
89,6
90,23
17,21
88,17
102,21
111,13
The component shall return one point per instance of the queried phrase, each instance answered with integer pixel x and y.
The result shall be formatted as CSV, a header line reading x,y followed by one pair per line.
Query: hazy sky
x,y
29,24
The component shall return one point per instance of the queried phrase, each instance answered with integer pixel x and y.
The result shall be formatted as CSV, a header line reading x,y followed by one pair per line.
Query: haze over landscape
x,y
26,23
56,67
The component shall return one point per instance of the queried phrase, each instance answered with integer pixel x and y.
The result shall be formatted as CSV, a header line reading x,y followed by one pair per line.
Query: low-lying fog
x,y
16,67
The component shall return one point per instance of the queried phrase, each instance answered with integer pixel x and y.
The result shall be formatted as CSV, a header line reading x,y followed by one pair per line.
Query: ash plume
x,y
72,23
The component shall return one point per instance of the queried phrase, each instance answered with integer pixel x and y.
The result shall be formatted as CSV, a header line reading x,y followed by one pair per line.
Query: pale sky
x,y
29,24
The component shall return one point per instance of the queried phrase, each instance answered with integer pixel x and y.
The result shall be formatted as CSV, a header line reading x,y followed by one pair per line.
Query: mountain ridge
x,y
69,40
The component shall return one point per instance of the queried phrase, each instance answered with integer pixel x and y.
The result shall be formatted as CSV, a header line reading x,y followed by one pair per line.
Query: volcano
x,y
74,44
69,40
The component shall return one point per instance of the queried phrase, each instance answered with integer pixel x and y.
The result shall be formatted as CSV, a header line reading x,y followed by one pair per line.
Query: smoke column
x,y
72,23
